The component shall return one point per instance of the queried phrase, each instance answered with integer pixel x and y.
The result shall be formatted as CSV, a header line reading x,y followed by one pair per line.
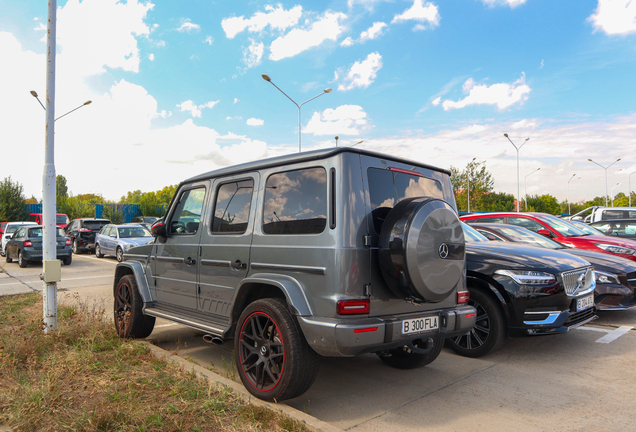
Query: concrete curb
x,y
310,422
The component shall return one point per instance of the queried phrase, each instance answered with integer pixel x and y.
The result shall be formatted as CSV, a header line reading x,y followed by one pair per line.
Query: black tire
x,y
76,247
98,251
67,261
22,262
405,358
119,254
273,359
489,332
130,322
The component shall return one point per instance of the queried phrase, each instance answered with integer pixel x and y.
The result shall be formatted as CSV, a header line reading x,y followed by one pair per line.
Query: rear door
x,y
225,243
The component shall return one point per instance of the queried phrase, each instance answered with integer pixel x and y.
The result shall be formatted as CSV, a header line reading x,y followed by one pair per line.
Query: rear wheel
x,y
68,260
98,251
119,254
129,319
405,358
489,332
274,360
76,247
22,262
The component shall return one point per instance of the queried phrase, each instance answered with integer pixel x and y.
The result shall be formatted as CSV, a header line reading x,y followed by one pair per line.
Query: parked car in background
x,y
117,239
588,229
2,225
82,233
61,220
521,290
615,277
146,221
560,231
25,246
9,229
625,228
596,214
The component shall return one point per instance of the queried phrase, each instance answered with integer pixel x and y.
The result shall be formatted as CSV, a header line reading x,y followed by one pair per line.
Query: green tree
x,y
113,213
74,208
131,197
474,179
164,196
544,204
61,190
12,201
497,201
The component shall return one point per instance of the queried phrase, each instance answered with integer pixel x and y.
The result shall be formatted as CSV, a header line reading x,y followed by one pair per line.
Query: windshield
x,y
133,232
586,228
95,225
472,235
61,219
526,236
562,227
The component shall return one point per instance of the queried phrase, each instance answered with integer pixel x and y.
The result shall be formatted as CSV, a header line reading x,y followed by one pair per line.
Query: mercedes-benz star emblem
x,y
443,251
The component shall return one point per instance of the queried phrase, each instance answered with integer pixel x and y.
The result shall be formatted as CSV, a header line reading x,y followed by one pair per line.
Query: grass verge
x,y
83,377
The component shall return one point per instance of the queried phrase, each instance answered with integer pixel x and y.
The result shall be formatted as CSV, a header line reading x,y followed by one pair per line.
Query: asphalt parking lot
x,y
580,381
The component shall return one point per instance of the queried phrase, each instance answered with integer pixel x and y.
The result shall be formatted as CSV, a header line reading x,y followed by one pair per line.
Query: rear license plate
x,y
584,303
417,325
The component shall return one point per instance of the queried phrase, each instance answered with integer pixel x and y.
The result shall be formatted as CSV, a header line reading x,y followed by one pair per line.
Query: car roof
x,y
304,157
92,219
20,223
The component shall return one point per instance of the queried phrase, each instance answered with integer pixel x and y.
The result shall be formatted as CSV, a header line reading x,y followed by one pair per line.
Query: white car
x,y
9,229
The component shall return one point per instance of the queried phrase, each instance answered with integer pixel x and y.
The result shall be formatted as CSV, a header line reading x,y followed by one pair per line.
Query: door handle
x,y
238,265
190,261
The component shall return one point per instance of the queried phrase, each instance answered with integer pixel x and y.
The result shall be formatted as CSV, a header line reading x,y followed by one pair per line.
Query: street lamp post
x,y
605,168
525,187
269,80
35,95
337,140
517,148
353,145
612,193
571,178
468,188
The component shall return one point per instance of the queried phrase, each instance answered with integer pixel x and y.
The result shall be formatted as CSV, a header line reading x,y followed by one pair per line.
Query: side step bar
x,y
197,325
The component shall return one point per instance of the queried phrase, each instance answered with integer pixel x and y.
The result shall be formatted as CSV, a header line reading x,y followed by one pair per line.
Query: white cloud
x,y
347,42
254,122
372,32
253,54
161,43
361,74
236,100
436,101
299,40
503,95
277,18
194,109
511,3
344,120
233,118
615,17
524,124
426,13
188,26
209,40
151,57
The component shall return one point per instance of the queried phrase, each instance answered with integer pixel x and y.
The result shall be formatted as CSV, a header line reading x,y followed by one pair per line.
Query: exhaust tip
x,y
213,339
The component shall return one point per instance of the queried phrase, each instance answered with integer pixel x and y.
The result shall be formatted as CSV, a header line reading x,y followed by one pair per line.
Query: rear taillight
x,y
28,243
353,307
84,230
463,297
68,242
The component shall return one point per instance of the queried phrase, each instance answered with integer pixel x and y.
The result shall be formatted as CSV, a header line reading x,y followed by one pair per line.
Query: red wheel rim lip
x,y
240,354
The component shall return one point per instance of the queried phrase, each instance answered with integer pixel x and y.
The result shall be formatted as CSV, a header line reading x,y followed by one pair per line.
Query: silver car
x,y
117,239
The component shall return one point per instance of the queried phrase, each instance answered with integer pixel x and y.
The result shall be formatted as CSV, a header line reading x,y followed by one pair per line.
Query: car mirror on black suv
x,y
158,230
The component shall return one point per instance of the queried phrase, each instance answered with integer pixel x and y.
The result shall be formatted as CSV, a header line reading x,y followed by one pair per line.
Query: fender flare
x,y
294,293
134,268
506,305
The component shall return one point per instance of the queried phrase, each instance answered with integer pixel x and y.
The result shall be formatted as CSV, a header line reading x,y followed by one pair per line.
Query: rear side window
x,y
387,188
296,202
232,207
631,214
498,219
187,215
526,223
612,214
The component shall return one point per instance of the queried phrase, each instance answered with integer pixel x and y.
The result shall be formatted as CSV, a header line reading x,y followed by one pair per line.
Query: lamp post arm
x,y
284,94
597,163
71,111
309,100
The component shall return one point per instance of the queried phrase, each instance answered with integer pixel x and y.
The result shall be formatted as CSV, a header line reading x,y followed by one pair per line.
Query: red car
x,y
560,231
2,225
61,220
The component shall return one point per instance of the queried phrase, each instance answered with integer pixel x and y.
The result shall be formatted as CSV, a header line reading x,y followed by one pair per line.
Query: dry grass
x,y
83,377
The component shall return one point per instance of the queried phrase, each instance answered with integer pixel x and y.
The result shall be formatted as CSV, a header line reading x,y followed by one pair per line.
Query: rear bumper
x,y
349,337
36,255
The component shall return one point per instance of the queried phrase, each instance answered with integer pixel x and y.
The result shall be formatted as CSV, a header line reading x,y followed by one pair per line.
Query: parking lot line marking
x,y
615,334
97,259
595,329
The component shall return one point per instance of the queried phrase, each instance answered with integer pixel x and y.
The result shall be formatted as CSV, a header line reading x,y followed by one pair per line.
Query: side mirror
x,y
544,232
113,235
158,230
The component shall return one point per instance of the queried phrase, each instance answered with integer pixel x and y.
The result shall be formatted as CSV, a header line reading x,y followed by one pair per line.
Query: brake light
x,y
403,171
84,230
28,243
463,297
353,307
68,242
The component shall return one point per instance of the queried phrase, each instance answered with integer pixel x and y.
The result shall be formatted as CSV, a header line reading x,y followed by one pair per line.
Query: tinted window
x,y
94,225
489,235
232,206
631,214
387,188
603,227
525,223
11,229
187,215
471,235
61,219
612,214
296,202
499,219
35,232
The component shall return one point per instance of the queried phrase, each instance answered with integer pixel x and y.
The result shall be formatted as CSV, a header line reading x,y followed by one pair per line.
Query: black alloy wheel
x,y
129,318
274,360
488,334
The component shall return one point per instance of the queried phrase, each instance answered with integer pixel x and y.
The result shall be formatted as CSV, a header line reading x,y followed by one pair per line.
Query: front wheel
x,y
405,358
119,254
489,332
274,360
129,319
22,262
98,251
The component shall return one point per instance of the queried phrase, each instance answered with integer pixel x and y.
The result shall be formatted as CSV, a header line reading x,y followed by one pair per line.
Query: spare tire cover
x,y
422,249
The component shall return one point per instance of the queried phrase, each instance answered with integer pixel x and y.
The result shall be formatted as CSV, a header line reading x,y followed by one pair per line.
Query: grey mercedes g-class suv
x,y
333,252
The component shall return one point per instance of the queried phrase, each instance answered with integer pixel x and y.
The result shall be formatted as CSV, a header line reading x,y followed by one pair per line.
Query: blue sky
x,y
177,88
